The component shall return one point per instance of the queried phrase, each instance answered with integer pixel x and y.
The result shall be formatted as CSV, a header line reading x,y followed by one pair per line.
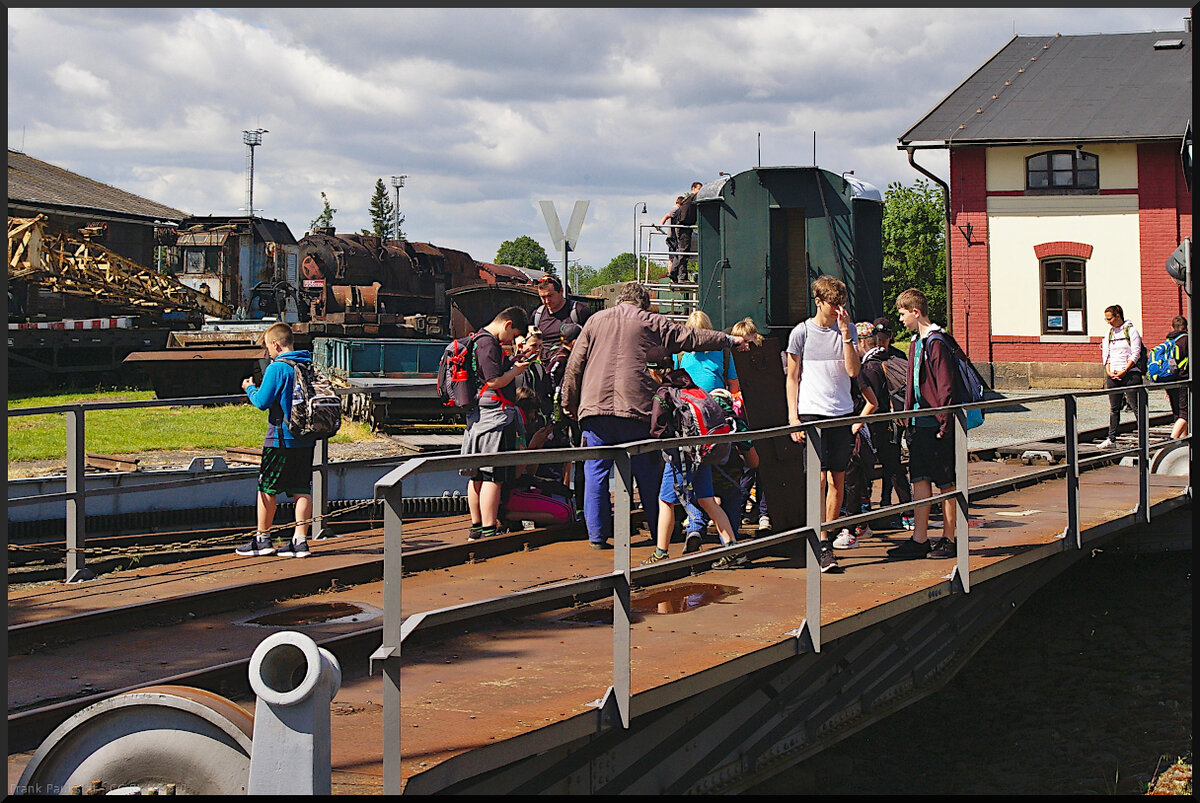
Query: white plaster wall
x,y
1109,223
1006,165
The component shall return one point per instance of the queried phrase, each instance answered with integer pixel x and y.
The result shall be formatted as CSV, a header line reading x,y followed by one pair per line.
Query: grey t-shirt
x,y
824,383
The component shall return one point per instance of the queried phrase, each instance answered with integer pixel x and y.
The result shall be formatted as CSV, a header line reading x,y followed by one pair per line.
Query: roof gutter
x,y
946,216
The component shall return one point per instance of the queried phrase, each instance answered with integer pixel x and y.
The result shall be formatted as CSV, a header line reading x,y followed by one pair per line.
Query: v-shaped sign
x,y
564,241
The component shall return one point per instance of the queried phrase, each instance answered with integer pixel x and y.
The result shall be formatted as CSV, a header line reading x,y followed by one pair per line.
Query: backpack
x,y
1140,364
694,412
970,383
1164,364
316,409
456,377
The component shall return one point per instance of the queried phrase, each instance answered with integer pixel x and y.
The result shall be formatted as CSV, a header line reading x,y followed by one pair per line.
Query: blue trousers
x,y
608,430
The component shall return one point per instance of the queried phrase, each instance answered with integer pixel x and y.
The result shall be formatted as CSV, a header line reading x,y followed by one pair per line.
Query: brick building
x,y
1066,195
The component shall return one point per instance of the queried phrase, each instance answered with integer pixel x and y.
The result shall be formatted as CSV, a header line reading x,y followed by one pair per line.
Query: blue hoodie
x,y
275,396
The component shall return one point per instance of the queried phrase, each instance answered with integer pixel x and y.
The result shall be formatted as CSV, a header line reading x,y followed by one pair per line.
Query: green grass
x,y
43,437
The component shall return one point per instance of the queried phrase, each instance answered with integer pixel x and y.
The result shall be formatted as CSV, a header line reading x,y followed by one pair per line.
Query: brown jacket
x,y
607,374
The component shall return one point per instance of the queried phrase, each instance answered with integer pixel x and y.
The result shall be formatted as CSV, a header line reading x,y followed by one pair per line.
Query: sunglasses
x,y
551,280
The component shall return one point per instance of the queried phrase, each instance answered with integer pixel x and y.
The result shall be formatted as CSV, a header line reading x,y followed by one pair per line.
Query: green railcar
x,y
766,233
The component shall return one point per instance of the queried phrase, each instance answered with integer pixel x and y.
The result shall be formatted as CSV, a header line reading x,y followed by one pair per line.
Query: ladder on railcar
x,y
676,300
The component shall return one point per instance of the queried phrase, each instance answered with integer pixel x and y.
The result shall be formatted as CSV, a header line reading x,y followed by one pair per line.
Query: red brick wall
x,y
970,307
1164,218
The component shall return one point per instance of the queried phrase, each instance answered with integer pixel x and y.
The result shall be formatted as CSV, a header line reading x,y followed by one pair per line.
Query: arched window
x,y
1064,296
1062,171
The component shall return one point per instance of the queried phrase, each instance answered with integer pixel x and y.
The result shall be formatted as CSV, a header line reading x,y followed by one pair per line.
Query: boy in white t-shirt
x,y
824,349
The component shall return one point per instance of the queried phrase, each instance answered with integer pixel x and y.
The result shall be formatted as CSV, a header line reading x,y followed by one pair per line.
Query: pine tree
x,y
383,214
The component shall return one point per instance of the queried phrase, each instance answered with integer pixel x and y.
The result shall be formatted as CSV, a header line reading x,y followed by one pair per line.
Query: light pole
x,y
397,182
252,139
637,241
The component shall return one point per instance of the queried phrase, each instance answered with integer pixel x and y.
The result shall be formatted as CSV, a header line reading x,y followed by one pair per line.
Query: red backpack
x,y
694,412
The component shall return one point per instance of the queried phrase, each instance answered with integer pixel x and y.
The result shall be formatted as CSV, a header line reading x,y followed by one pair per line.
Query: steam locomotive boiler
x,y
355,278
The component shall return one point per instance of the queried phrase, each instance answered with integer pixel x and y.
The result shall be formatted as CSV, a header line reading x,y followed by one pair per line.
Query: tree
x,y
914,247
524,252
623,268
325,218
383,214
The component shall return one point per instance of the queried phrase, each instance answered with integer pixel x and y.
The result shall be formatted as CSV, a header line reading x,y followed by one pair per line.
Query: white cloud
x,y
75,80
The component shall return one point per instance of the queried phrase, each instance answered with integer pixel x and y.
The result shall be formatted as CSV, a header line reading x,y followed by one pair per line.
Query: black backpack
x,y
457,371
316,409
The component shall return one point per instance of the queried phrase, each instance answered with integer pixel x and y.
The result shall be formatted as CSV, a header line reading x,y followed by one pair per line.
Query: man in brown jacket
x,y
608,389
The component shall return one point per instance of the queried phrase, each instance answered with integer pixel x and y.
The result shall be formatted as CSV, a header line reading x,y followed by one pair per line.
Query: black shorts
x,y
930,458
286,470
836,443
1179,402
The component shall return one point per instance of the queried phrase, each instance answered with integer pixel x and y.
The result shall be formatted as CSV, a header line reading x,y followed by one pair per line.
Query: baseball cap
x,y
570,330
883,325
864,329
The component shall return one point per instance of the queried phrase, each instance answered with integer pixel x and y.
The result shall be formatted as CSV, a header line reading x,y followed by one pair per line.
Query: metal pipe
x,y
946,214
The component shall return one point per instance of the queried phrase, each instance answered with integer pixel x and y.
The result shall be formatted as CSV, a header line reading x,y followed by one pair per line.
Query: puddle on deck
x,y
677,598
321,613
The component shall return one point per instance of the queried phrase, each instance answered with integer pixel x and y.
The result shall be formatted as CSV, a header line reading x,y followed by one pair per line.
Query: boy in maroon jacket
x,y
930,438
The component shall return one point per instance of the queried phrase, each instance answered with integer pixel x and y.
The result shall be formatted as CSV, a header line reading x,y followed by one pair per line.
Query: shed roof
x,y
40,184
1126,86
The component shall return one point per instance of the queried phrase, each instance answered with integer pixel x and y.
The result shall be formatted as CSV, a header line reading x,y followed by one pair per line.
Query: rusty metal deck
x,y
469,690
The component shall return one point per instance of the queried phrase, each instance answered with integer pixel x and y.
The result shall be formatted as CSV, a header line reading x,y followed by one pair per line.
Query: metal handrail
x,y
76,493
617,700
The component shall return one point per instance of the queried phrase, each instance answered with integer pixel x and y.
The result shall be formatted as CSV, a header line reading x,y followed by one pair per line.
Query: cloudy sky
x,y
490,111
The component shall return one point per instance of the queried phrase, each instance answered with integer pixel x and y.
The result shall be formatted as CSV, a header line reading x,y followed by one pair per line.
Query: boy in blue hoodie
x,y
286,460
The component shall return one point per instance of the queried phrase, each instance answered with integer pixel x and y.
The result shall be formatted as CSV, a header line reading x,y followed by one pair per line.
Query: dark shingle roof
x,y
36,183
1095,87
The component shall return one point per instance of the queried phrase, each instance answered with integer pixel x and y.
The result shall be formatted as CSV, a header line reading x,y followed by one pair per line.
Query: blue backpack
x,y
1164,364
971,383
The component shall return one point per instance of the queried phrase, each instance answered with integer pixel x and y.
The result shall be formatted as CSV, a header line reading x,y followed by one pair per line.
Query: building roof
x,y
1125,86
34,183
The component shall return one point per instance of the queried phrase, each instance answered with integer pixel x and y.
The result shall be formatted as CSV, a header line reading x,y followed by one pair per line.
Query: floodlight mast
x,y
252,139
397,182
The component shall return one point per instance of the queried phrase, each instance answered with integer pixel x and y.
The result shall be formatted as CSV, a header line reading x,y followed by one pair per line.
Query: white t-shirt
x,y
824,383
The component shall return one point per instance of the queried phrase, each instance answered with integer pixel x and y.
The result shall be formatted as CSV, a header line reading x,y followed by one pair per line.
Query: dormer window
x,y
1062,172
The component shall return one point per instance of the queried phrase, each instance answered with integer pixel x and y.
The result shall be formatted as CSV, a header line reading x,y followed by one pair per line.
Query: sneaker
x,y
656,556
909,549
863,531
764,522
1105,444
825,558
600,545
731,562
294,549
908,522
866,507
691,543
944,548
845,540
257,545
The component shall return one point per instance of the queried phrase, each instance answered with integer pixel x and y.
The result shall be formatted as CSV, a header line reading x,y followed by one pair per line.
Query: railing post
x,y
1071,446
814,505
622,609
320,491
1143,430
76,510
962,543
392,617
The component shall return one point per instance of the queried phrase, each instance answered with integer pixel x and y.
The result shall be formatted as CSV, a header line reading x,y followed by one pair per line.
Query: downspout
x,y
946,214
